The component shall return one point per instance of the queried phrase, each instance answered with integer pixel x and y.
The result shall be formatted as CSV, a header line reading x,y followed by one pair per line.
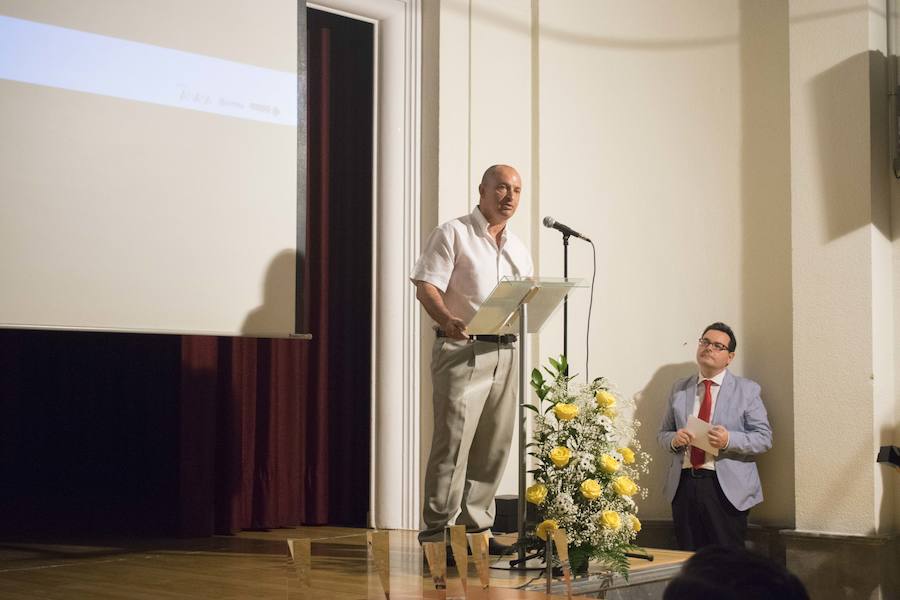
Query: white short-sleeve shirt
x,y
462,259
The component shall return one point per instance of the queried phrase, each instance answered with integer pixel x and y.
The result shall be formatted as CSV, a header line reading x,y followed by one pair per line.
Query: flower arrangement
x,y
588,461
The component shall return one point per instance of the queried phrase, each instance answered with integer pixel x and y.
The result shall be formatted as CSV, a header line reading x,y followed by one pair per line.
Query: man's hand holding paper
x,y
700,430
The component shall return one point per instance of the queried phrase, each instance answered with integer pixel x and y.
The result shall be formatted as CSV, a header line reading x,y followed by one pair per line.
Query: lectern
x,y
521,305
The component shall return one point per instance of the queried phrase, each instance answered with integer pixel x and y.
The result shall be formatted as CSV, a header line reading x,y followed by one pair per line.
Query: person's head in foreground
x,y
733,574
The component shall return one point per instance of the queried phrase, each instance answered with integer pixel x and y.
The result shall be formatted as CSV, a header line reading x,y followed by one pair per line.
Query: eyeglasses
x,y
715,345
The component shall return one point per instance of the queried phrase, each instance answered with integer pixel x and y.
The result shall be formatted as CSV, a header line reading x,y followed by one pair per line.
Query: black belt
x,y
494,339
698,473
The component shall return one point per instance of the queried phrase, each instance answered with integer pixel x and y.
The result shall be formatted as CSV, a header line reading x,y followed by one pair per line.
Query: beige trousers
x,y
474,418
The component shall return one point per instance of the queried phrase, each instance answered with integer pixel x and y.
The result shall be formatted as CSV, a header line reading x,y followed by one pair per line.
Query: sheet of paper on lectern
x,y
495,314
499,313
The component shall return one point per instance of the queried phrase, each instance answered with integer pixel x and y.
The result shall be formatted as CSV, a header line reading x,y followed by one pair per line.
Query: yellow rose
x,y
565,412
610,412
560,456
608,464
590,489
624,486
627,455
536,493
635,523
609,519
546,527
605,399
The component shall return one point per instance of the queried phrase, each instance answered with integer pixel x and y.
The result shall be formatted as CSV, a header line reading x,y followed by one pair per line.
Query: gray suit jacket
x,y
740,410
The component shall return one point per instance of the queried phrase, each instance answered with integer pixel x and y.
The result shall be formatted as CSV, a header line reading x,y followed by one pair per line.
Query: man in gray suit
x,y
711,495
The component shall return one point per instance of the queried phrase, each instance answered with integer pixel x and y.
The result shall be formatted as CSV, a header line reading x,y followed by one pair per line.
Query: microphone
x,y
564,229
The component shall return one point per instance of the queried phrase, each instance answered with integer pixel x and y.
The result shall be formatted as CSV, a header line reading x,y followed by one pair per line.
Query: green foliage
x,y
570,418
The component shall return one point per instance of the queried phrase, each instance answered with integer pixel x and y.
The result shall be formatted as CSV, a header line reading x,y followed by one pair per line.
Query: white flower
x,y
589,435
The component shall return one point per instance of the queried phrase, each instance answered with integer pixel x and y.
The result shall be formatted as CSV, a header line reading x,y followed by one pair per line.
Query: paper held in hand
x,y
700,429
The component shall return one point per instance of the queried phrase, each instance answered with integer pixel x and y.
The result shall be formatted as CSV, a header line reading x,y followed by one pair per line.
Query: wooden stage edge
x,y
258,564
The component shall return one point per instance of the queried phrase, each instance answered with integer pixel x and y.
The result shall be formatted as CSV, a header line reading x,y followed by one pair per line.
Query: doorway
x,y
340,247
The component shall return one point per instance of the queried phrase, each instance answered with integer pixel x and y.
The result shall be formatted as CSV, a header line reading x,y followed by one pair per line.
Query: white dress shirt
x,y
463,260
698,399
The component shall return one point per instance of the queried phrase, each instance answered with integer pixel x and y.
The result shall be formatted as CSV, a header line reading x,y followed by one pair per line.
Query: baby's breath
x,y
596,430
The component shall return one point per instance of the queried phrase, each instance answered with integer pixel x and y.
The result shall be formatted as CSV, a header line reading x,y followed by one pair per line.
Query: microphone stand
x,y
566,302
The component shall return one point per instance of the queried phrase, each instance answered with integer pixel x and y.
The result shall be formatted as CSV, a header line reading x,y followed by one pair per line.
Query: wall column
x,y
844,399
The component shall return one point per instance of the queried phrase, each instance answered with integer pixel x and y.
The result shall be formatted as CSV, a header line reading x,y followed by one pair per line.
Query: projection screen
x,y
148,165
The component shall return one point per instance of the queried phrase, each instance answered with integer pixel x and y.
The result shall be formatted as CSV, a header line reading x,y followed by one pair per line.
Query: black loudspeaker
x,y
507,518
889,455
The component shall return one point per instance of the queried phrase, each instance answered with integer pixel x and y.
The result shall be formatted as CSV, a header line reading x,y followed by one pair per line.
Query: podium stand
x,y
521,305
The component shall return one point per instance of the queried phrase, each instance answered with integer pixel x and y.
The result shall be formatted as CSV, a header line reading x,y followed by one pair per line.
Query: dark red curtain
x,y
276,432
88,433
254,448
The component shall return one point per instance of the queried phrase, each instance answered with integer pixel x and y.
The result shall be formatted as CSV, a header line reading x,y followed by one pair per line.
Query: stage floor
x,y
258,565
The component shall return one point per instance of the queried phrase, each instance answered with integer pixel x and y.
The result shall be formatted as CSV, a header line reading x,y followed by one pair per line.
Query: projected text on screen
x,y
64,58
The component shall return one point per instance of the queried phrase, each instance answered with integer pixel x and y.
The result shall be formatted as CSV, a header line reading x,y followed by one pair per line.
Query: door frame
x,y
394,463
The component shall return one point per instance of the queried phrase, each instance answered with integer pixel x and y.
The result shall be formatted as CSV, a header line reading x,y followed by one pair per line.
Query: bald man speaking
x,y
474,376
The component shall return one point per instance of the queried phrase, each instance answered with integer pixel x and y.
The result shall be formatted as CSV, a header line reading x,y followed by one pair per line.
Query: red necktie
x,y
698,456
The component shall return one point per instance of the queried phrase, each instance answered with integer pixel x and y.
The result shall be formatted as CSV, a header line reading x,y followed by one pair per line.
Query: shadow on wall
x,y
765,335
650,407
274,315
881,143
839,112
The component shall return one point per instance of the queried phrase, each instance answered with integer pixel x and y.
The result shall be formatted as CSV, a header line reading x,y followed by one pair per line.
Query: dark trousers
x,y
703,516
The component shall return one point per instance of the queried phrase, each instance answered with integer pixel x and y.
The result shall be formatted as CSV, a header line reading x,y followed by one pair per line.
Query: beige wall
x,y
890,434
724,158
842,284
829,160
484,117
663,137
